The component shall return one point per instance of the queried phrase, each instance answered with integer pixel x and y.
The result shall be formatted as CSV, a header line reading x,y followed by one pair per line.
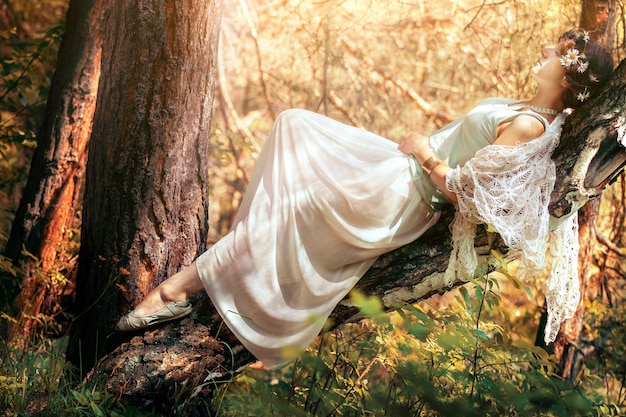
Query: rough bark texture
x,y
176,366
145,204
591,152
47,208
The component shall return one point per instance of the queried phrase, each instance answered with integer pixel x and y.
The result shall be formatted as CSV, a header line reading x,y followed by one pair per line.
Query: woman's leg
x,y
178,287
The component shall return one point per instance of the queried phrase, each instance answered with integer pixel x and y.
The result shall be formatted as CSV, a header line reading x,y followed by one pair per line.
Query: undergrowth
x,y
419,361
37,381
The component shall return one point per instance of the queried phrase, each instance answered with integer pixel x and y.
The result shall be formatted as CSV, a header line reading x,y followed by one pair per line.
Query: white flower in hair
x,y
593,78
586,36
582,67
571,57
582,96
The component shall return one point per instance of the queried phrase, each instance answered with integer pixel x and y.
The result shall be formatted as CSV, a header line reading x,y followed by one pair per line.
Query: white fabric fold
x,y
325,200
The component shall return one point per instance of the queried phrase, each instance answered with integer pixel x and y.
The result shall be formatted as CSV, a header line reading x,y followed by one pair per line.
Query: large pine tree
x,y
145,210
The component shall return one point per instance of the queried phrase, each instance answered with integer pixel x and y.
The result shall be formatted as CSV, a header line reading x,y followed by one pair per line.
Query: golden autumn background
x,y
388,67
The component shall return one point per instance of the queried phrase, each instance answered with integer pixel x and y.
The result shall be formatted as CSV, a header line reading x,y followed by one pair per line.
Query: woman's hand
x,y
417,145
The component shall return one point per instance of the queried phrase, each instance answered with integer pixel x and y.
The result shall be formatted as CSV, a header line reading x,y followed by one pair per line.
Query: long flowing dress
x,y
325,200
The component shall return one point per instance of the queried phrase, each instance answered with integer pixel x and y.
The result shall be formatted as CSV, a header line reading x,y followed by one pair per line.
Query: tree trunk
x,y
599,17
146,193
46,214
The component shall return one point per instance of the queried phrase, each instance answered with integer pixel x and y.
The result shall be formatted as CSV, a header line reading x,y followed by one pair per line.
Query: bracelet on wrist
x,y
430,164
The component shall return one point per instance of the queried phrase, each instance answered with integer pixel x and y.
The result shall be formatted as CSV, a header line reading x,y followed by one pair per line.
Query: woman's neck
x,y
547,99
547,106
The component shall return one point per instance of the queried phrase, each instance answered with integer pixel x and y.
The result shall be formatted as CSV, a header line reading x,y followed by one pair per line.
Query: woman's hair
x,y
587,67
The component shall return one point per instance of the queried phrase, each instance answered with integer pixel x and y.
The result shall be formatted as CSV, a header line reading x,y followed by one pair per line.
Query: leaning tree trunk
x,y
154,363
46,214
146,193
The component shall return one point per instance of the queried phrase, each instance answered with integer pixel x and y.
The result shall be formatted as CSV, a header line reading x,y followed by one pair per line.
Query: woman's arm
x,y
521,129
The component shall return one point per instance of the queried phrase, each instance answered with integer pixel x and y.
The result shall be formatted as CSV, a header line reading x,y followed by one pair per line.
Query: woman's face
x,y
548,70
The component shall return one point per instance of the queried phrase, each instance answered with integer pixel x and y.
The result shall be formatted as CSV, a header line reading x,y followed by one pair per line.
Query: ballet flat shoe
x,y
172,311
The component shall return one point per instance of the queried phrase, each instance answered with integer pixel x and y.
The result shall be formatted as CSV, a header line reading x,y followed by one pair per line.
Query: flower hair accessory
x,y
573,60
583,95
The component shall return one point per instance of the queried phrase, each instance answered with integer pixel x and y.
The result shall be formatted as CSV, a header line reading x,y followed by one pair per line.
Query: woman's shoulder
x,y
522,128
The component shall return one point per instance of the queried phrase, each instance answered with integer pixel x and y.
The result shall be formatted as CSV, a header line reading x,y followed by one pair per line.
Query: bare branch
x,y
422,104
612,247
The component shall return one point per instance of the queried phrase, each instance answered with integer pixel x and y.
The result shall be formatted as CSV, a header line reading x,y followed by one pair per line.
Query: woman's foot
x,y
168,301
172,311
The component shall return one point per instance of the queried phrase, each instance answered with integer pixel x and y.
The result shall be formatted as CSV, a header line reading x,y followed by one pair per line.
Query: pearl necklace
x,y
543,110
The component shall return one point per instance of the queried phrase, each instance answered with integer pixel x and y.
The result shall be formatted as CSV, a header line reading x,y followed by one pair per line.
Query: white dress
x,y
325,200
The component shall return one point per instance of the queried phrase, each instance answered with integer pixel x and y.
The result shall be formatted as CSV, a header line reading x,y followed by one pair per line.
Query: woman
x,y
326,199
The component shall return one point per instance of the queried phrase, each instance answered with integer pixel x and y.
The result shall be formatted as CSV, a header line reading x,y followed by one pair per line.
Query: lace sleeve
x,y
508,188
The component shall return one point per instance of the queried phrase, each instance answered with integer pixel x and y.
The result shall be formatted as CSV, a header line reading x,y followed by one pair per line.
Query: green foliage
x,y
10,275
29,374
27,61
26,75
606,367
419,361
90,400
53,279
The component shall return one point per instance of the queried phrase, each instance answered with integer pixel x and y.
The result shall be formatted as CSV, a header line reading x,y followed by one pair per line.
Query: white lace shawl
x,y
508,188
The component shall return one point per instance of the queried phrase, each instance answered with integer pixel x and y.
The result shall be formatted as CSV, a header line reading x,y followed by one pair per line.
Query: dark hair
x,y
586,71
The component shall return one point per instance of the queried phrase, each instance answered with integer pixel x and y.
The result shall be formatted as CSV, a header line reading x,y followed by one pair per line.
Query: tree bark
x,y
591,152
598,17
46,213
146,193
